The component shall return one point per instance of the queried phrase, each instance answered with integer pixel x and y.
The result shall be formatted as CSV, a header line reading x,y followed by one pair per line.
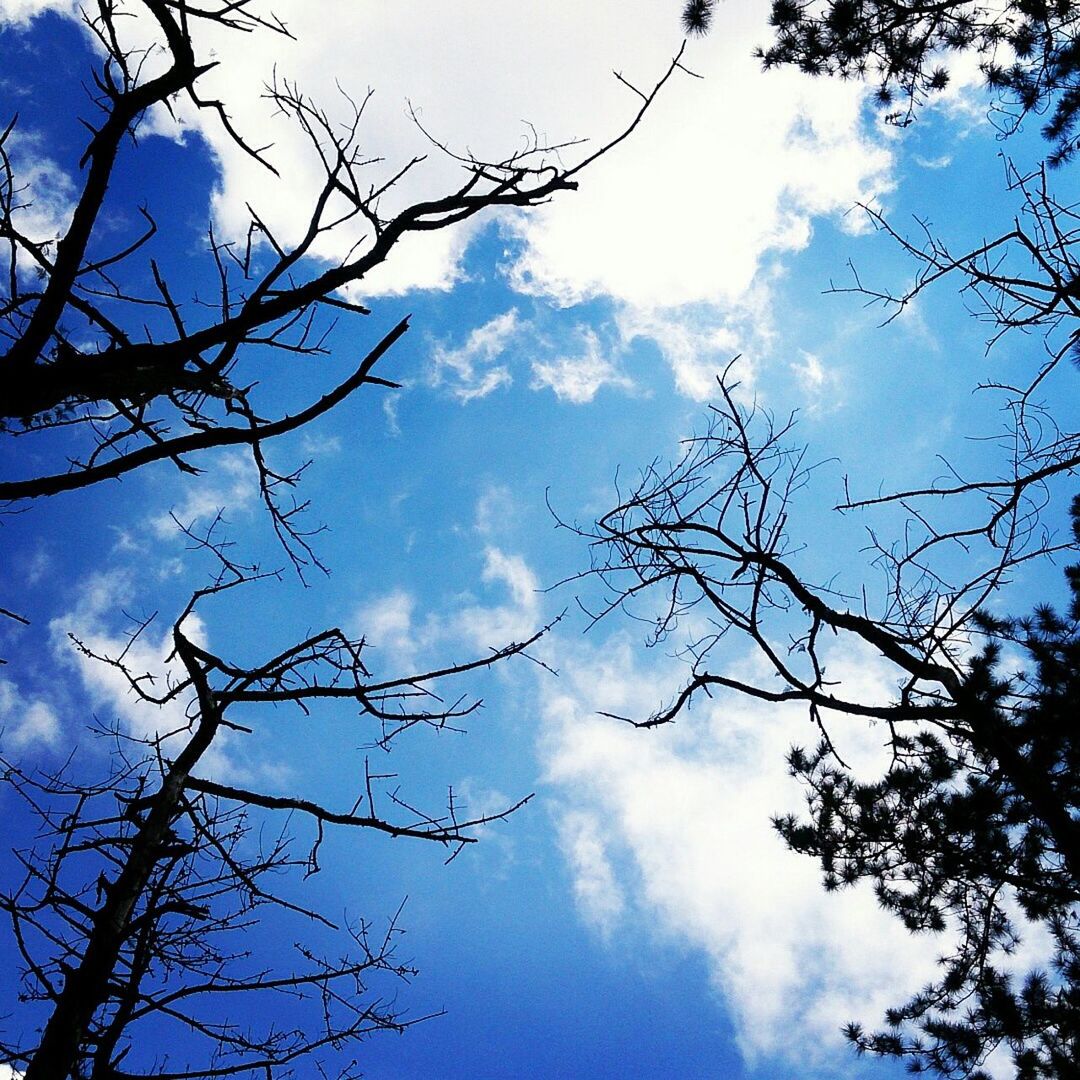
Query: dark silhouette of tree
x,y
952,833
134,892
96,342
140,881
1027,51
974,827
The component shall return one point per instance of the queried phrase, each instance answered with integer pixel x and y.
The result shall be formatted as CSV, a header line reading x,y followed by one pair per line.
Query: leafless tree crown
x,y
97,342
132,902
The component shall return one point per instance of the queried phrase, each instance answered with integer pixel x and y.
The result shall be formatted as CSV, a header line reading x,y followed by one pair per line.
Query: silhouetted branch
x,y
122,913
97,345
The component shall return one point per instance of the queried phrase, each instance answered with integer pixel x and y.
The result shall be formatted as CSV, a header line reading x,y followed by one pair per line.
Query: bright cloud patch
x,y
679,215
688,807
22,11
26,724
45,200
471,370
386,623
675,214
578,378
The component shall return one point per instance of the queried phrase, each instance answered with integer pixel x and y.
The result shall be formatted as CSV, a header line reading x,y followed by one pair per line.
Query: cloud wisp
x,y
97,621
27,725
472,370
578,378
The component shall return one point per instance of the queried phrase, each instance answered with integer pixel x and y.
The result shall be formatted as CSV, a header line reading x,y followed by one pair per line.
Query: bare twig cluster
x,y
711,533
128,904
98,342
976,816
134,893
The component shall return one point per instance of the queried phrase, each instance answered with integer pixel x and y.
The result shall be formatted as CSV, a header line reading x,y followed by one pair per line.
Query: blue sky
x,y
638,918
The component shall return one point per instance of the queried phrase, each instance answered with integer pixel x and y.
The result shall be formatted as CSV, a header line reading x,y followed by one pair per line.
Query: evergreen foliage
x,y
965,832
1028,52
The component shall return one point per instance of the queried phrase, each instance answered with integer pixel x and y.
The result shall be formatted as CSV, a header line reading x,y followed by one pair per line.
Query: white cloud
x,y
22,11
320,445
724,172
698,344
411,636
726,169
596,888
390,405
386,623
577,378
688,807
809,371
513,572
470,371
819,385
26,724
495,510
964,100
494,626
45,194
229,484
391,623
